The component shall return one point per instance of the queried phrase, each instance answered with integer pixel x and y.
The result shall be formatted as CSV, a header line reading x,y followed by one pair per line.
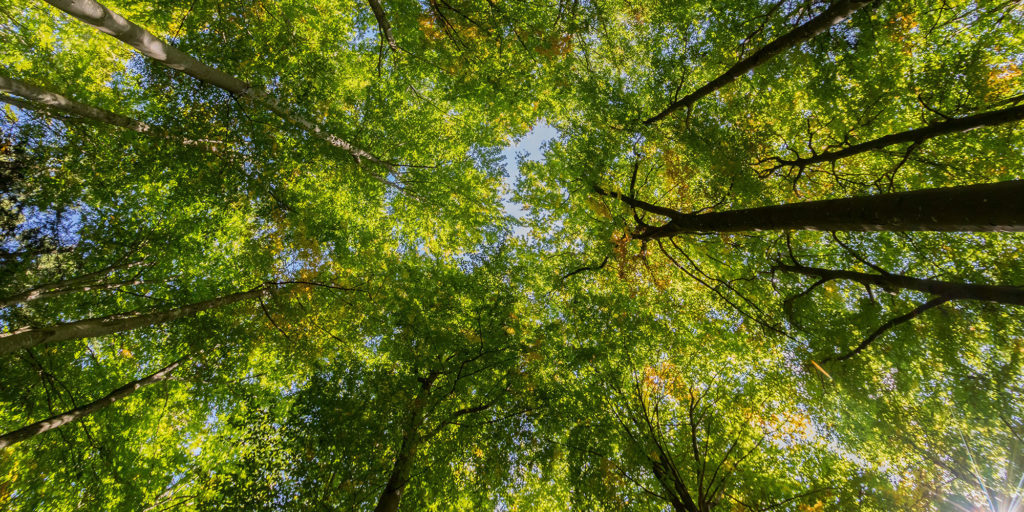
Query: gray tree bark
x,y
1003,294
412,437
86,282
78,413
47,101
949,126
111,23
94,327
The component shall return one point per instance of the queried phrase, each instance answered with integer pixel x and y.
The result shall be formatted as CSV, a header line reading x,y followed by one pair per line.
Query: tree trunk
x,y
963,124
950,291
32,295
80,283
78,413
678,496
44,100
986,207
834,14
382,23
109,22
95,327
406,458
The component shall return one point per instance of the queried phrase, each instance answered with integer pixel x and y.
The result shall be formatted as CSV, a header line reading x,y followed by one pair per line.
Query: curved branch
x,y
1002,294
787,305
584,269
643,205
914,313
916,136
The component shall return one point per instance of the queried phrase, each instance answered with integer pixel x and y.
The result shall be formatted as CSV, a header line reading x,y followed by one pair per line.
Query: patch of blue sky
x,y
528,148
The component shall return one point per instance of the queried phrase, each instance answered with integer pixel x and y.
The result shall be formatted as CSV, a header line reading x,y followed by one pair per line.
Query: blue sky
x,y
530,146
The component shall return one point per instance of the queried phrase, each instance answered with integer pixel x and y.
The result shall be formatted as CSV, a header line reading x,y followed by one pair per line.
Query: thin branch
x,y
587,268
914,313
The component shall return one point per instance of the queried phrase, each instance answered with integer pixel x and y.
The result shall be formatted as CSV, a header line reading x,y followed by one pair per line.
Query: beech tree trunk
x,y
94,327
406,458
78,413
963,124
32,295
81,283
382,22
41,99
950,291
109,22
987,207
836,12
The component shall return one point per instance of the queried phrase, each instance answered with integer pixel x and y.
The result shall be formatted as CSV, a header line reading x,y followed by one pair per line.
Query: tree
x,y
767,256
989,207
50,100
112,23
443,378
27,337
77,413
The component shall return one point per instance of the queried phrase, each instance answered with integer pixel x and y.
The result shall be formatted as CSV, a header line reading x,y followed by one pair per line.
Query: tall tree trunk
x,y
32,295
950,291
80,283
678,496
109,22
48,101
95,327
836,12
382,23
962,124
412,437
78,413
986,207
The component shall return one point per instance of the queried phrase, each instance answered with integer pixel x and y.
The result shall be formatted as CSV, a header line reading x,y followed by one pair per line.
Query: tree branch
x,y
914,313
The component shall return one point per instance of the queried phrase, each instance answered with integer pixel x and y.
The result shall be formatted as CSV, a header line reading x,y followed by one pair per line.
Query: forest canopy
x,y
594,255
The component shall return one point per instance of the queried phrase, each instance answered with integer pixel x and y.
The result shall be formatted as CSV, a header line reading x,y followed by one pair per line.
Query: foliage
x,y
407,338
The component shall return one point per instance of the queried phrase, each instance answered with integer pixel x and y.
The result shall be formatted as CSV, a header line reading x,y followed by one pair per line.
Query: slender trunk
x,y
406,458
951,291
382,22
111,23
836,12
958,125
78,413
38,295
95,327
48,101
676,492
986,207
79,283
